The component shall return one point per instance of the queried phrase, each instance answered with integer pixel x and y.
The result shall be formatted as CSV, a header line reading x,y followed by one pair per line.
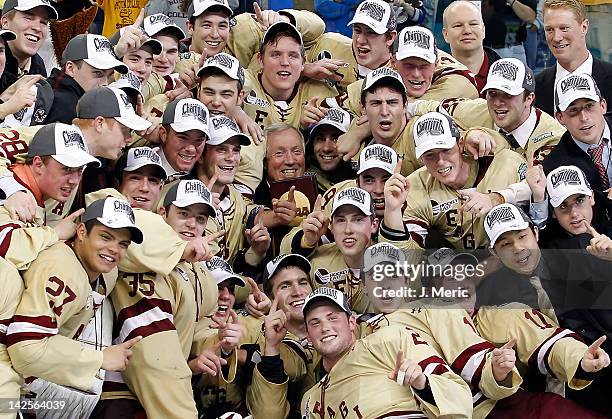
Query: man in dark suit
x,y
566,26
580,107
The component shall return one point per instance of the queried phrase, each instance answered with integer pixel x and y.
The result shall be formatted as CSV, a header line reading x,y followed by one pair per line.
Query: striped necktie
x,y
596,154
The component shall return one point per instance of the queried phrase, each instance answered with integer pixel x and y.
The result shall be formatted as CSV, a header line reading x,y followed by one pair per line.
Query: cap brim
x,y
556,201
242,138
8,35
154,44
424,148
117,65
411,52
327,123
76,159
187,203
369,23
135,232
126,86
52,12
511,92
134,122
521,226
373,166
160,169
188,127
224,276
567,102
290,260
321,297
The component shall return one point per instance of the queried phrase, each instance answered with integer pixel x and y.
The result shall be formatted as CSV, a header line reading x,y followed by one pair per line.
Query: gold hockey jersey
x,y
358,385
433,205
57,303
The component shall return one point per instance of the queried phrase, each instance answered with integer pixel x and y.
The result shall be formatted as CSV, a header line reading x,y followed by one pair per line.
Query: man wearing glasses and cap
x,y
28,19
394,358
64,287
88,61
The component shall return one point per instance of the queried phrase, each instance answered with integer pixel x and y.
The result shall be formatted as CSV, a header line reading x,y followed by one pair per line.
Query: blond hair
x,y
575,6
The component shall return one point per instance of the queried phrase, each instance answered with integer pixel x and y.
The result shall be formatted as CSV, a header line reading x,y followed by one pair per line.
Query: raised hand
x,y
475,202
315,225
208,362
595,359
230,332
66,229
324,69
311,113
257,303
503,360
479,143
600,245
116,357
408,372
285,211
396,189
266,18
199,249
259,238
131,37
349,143
275,328
536,179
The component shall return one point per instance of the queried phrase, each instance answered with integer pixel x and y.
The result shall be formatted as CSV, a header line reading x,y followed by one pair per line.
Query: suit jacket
x,y
545,84
567,153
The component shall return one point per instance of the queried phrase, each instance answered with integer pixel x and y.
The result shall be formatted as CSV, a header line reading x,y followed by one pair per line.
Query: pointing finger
x,y
596,345
234,316
212,182
291,196
510,344
75,214
140,19
258,13
212,237
398,166
129,343
591,230
317,204
274,306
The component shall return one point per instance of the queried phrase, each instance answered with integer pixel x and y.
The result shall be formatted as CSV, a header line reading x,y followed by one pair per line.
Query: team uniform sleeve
x,y
51,298
266,399
541,343
451,85
11,285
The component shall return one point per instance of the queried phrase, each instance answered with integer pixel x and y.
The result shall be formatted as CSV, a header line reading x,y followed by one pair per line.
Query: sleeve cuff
x,y
8,185
272,369
296,246
392,234
538,211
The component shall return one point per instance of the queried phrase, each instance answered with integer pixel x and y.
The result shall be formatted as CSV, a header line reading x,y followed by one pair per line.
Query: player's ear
x,y
81,231
536,232
260,59
352,322
240,99
162,133
98,123
162,211
375,224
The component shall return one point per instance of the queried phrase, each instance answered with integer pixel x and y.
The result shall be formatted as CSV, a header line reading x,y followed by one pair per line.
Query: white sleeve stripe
x,y
3,328
25,327
429,369
546,346
144,319
467,373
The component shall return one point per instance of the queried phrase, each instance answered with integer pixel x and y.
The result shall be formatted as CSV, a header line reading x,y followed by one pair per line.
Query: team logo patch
x,y
353,194
542,137
565,177
222,60
443,207
379,153
73,139
499,216
218,263
574,83
323,276
196,111
159,18
124,207
39,116
373,10
20,114
325,54
507,70
383,72
146,153
252,99
218,123
197,187
419,39
431,126
335,115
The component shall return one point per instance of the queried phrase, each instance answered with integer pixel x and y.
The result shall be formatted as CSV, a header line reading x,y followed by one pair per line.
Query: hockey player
x,y
394,359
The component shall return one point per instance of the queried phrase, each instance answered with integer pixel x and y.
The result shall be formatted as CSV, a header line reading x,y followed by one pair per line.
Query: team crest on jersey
x,y
419,39
565,177
325,54
323,276
575,83
499,215
505,69
375,11
307,409
542,137
39,116
443,206
431,126
252,99
522,171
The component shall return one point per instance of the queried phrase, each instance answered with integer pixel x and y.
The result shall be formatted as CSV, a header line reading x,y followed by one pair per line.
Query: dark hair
x,y
279,35
214,71
90,224
344,171
387,82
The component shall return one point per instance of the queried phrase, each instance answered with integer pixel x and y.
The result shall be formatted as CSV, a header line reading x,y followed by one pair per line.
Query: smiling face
x,y
575,213
164,63
464,29
584,119
31,29
373,182
447,166
222,160
291,286
209,32
182,149
189,222
55,180
508,112
325,148
352,230
220,94
282,63
371,50
330,330
101,250
519,251
284,155
417,75
226,300
384,108
141,187
565,34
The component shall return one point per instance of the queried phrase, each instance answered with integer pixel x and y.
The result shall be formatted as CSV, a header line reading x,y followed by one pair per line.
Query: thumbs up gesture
x,y
503,360
595,358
